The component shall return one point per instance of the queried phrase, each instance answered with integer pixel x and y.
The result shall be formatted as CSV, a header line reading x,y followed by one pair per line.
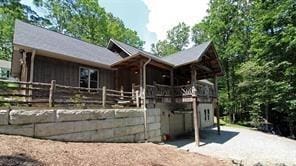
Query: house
x,y
4,69
41,55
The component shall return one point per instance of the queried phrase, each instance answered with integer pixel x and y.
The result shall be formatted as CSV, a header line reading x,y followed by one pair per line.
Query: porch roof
x,y
204,56
133,61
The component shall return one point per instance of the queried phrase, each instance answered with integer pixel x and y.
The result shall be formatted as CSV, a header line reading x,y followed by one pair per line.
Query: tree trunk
x,y
233,118
291,127
266,113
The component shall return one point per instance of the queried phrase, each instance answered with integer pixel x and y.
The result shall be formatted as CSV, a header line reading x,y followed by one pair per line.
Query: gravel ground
x,y
244,145
17,150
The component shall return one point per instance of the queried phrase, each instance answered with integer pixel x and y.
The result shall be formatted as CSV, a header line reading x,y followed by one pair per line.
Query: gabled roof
x,y
130,50
69,48
187,56
134,52
38,38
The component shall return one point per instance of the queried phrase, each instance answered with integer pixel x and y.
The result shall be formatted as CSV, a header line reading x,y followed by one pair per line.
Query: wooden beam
x,y
141,80
217,104
32,65
24,75
204,68
194,104
32,72
172,82
195,118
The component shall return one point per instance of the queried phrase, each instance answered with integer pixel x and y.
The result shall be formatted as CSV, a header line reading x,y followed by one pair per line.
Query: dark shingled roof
x,y
177,59
187,56
135,51
42,39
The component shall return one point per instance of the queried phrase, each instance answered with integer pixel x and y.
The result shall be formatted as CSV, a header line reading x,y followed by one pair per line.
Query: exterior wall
x,y
66,73
88,125
180,122
205,120
173,122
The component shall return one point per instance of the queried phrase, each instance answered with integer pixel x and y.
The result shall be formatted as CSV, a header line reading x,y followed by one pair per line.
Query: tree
x,y
87,20
199,34
177,39
9,11
273,42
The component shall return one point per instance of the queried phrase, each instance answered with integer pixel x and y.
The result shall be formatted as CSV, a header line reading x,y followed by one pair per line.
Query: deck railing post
x,y
104,96
133,91
137,99
51,93
121,92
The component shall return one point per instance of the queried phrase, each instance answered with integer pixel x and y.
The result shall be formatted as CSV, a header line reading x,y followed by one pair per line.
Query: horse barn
x,y
173,91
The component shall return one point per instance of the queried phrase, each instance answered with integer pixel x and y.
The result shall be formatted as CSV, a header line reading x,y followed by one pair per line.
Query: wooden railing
x,y
157,91
17,93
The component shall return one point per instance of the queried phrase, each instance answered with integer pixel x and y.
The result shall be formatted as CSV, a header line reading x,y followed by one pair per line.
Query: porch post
x,y
172,84
32,73
24,75
217,104
196,118
141,81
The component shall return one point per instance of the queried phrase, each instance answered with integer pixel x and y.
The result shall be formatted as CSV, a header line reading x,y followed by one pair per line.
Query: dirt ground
x,y
17,150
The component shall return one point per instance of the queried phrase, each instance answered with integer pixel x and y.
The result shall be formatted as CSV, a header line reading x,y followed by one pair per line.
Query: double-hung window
x,y
88,78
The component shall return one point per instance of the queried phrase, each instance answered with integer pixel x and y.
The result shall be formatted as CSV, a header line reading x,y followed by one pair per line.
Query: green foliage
x,y
177,39
87,20
9,11
83,19
256,43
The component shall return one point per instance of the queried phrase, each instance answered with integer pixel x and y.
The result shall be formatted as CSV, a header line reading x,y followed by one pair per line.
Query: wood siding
x,y
66,73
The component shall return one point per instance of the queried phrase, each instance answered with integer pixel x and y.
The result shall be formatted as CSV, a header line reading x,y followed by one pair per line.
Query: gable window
x,y
88,78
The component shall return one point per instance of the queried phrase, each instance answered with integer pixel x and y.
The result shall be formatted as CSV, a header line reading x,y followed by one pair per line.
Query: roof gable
x,y
187,56
39,38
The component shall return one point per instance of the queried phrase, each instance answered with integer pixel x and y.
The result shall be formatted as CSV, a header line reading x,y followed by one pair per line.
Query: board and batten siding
x,y
66,73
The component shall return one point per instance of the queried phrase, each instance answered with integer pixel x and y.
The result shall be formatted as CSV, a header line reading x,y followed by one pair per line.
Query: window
x,y
207,114
88,78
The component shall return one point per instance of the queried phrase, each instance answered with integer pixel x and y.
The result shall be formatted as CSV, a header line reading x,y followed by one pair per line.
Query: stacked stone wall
x,y
85,125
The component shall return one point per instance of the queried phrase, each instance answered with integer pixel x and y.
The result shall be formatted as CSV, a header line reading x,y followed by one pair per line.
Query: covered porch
x,y
158,81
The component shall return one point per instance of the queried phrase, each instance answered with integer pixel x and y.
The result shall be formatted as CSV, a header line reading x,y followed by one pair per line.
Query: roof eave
x,y
64,57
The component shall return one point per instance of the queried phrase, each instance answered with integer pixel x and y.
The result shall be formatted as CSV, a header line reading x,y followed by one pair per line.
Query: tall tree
x,y
87,20
177,39
9,11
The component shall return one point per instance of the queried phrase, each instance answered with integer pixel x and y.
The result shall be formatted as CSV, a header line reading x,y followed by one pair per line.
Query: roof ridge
x,y
37,26
140,50
188,49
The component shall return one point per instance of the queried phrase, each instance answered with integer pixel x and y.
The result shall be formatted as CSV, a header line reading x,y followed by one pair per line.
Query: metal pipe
x,y
144,97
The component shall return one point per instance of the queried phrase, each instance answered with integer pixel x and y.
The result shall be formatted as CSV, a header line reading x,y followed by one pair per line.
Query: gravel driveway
x,y
245,145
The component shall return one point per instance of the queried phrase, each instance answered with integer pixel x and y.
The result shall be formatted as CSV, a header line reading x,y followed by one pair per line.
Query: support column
x,y
217,104
141,82
196,118
24,72
31,73
172,84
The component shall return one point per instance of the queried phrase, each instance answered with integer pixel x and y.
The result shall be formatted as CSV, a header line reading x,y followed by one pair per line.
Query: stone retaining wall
x,y
85,125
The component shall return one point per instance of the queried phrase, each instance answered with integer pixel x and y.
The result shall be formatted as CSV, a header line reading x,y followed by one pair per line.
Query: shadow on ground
x,y
211,136
18,159
207,136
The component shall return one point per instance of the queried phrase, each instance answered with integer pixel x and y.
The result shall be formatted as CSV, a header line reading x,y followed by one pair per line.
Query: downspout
x,y
144,98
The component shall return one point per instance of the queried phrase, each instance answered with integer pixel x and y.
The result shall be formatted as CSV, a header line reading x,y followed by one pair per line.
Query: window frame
x,y
89,80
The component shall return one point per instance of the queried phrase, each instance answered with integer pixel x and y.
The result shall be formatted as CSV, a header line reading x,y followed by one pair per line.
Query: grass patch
x,y
224,123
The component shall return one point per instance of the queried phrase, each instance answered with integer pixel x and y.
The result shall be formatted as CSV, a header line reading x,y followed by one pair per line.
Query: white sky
x,y
164,14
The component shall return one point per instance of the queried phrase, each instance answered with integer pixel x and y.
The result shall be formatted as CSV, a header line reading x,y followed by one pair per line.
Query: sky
x,y
152,18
